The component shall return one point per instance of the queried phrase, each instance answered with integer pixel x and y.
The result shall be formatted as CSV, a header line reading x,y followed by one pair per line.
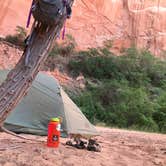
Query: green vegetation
x,y
18,38
66,48
126,91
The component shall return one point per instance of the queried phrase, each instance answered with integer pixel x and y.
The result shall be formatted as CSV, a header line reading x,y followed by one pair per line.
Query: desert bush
x,y
98,67
131,93
66,48
117,104
18,38
159,115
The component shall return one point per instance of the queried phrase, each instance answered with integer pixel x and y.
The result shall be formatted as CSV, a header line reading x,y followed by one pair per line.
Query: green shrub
x,y
139,68
130,92
98,67
66,48
18,38
159,115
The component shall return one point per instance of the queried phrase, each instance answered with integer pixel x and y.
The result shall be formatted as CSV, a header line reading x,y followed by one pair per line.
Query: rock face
x,y
125,22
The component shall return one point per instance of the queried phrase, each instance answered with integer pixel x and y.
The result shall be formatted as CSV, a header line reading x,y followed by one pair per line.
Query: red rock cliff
x,y
126,22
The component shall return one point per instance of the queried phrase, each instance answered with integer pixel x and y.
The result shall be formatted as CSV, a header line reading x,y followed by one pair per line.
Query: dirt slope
x,y
119,148
9,55
123,21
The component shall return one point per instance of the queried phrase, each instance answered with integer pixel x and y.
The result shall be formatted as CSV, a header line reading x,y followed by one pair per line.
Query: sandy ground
x,y
119,148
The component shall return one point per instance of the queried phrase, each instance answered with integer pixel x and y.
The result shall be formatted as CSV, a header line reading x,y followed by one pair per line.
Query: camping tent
x,y
45,100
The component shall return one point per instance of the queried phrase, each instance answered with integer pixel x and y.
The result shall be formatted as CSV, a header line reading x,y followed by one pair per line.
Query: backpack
x,y
48,11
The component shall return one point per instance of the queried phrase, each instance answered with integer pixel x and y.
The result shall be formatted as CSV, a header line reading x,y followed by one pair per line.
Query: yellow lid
x,y
55,119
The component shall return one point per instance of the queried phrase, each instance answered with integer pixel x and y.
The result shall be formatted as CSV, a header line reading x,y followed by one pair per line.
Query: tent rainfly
x,y
45,100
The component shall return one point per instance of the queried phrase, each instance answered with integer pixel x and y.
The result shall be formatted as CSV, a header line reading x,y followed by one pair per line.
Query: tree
x,y
19,79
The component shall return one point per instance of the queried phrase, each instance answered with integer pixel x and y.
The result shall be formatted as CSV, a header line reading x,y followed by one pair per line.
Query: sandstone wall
x,y
142,22
13,13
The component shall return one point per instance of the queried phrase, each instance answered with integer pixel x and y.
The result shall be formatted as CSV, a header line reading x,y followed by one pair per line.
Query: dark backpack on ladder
x,y
48,11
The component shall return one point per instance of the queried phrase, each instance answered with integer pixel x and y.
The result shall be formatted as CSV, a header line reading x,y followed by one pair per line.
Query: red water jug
x,y
53,138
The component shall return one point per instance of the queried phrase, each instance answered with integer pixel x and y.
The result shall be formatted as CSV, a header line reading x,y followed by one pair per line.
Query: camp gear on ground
x,y
53,137
69,143
79,144
45,100
93,146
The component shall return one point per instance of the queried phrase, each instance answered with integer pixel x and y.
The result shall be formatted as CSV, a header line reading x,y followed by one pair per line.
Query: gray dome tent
x,y
45,100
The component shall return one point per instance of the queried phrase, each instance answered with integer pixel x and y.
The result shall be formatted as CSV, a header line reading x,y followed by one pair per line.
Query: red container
x,y
53,138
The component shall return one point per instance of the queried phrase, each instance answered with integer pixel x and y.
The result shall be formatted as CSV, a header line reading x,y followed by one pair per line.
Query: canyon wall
x,y
125,22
